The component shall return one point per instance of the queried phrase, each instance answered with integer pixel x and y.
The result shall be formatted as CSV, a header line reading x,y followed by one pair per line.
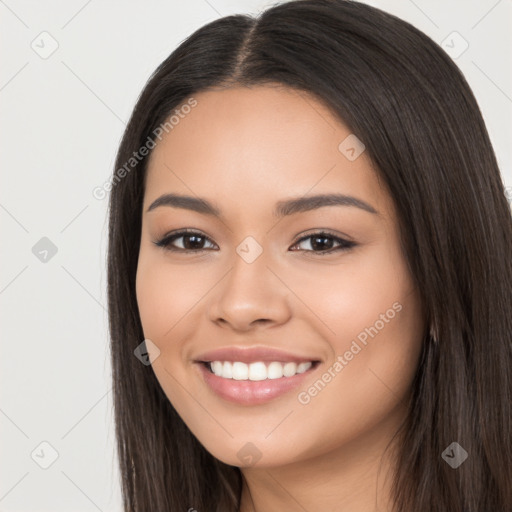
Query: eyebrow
x,y
282,208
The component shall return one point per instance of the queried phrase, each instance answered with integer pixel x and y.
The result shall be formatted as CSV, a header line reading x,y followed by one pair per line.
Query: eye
x,y
325,240
193,241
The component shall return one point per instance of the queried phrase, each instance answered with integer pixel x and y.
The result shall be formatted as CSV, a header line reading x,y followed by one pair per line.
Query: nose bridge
x,y
249,291
250,265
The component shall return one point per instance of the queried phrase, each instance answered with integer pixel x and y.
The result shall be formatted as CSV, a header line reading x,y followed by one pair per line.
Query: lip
x,y
252,355
247,392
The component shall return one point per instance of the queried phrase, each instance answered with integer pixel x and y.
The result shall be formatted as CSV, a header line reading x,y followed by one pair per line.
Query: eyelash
x,y
165,242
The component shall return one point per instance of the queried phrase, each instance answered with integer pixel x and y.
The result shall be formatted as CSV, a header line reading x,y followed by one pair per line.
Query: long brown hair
x,y
404,97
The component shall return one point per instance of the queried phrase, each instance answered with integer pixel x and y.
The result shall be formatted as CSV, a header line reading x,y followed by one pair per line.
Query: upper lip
x,y
251,355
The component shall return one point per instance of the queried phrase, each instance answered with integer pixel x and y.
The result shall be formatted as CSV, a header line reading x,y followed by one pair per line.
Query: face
x,y
320,282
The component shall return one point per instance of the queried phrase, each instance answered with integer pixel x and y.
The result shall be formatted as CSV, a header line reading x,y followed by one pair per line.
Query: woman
x,y
310,274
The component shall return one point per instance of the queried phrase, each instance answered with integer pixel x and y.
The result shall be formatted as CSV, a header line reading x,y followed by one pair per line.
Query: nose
x,y
250,295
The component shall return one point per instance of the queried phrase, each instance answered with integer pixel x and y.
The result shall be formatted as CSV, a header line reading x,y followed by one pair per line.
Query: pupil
x,y
195,244
322,243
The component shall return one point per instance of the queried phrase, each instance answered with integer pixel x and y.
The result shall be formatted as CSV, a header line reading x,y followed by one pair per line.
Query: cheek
x,y
366,382
166,298
375,321
165,294
351,296
154,297
371,317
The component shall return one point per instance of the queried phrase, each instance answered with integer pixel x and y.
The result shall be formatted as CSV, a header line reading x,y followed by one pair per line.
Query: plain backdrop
x,y
71,72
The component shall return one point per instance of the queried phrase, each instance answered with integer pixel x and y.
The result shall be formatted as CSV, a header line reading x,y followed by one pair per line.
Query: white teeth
x,y
217,367
227,370
274,370
289,369
258,370
302,367
240,371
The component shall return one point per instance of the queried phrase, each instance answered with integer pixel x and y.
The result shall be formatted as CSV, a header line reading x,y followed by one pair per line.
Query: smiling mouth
x,y
258,370
255,383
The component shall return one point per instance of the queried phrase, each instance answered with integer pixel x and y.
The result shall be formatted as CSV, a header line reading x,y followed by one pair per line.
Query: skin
x,y
244,149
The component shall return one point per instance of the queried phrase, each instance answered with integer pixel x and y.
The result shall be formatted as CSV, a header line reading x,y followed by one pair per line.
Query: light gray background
x,y
63,117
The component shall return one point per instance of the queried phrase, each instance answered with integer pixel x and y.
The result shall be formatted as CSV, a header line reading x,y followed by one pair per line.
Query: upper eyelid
x,y
183,232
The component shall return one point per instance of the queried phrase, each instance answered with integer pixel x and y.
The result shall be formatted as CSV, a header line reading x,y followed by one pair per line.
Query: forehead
x,y
256,146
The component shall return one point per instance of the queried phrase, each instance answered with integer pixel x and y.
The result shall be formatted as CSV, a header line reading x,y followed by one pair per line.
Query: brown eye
x,y
192,241
325,243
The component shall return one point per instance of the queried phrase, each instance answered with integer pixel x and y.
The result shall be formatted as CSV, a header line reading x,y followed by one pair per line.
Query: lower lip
x,y
248,392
